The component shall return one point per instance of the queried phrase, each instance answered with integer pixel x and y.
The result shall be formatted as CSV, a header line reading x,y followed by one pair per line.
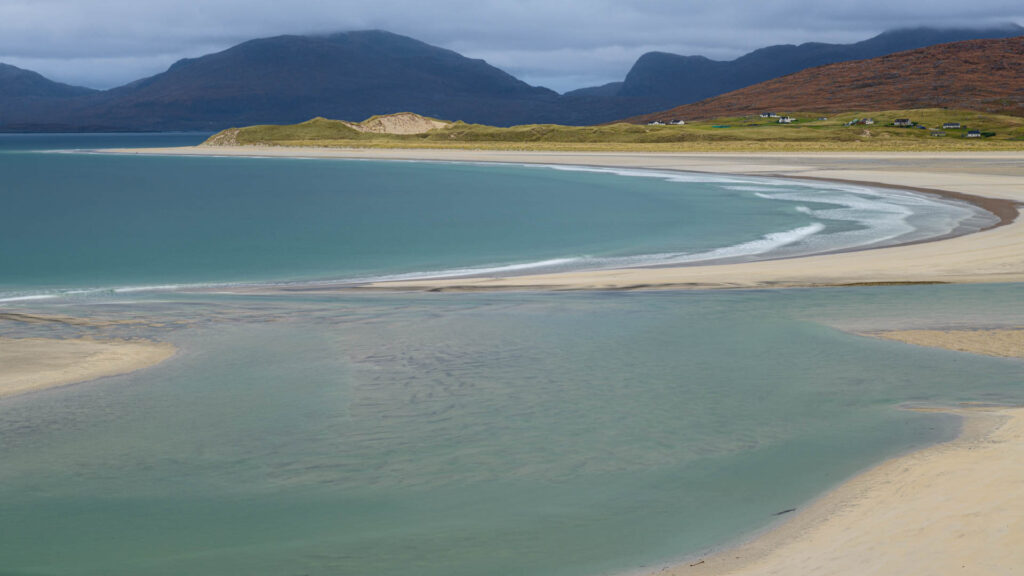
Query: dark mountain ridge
x,y
354,75
672,80
981,75
292,78
20,83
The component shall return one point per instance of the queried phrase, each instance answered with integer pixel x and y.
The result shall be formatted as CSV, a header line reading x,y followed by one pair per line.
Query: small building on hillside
x,y
950,125
822,118
902,122
655,123
787,120
769,115
868,121
938,133
973,134
678,122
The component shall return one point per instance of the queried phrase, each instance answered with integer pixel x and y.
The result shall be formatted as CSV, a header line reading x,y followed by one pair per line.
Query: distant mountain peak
x,y
357,74
20,83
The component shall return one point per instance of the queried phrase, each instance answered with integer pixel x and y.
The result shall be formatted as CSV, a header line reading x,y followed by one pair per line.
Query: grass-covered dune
x,y
742,133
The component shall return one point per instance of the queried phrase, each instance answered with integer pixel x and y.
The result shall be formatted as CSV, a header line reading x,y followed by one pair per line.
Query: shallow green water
x,y
566,434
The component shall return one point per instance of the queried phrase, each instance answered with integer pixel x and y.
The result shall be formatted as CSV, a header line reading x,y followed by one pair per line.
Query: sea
x,y
545,433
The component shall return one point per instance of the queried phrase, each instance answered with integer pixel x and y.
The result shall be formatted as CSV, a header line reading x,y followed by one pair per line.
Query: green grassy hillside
x,y
751,133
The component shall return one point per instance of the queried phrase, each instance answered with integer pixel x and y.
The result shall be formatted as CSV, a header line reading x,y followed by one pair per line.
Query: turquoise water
x,y
85,222
562,434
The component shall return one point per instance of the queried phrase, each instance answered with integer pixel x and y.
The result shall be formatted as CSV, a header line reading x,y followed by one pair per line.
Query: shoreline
x,y
908,515
913,506
991,181
33,364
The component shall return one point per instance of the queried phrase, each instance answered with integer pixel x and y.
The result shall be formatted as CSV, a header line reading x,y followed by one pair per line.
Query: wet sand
x,y
32,364
1003,343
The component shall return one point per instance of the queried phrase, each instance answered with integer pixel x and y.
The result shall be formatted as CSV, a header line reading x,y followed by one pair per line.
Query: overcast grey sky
x,y
561,44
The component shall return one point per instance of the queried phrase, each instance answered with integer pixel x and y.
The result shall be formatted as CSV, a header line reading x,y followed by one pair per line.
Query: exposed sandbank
x,y
954,508
1004,343
30,364
993,255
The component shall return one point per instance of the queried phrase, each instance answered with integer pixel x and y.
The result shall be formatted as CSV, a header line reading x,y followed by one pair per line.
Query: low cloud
x,y
563,44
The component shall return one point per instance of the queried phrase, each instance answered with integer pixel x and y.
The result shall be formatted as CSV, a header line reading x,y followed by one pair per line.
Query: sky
x,y
561,44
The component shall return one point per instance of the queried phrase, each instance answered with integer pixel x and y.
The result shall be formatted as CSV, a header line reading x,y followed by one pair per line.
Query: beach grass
x,y
733,134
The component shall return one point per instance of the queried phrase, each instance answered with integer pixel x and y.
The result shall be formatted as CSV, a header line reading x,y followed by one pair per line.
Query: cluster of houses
x,y
781,119
906,123
899,123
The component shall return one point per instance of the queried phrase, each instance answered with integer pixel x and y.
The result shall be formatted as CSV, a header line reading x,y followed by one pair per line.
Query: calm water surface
x,y
438,434
471,434
76,224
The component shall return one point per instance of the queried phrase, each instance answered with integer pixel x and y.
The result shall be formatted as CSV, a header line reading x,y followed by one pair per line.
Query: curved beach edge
x,y
34,364
993,181
952,508
948,508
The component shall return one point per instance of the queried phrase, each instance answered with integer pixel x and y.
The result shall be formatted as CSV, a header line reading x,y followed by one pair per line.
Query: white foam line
x,y
29,297
474,271
767,243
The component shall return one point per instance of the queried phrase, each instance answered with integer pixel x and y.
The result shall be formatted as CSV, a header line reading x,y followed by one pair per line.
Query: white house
x,y
973,134
769,115
902,122
787,120
950,125
678,122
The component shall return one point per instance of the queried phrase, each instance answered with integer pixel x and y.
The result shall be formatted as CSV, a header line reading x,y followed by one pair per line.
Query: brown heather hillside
x,y
984,75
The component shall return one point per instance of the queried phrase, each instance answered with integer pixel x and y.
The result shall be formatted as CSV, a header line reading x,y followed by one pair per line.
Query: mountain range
x,y
980,75
354,75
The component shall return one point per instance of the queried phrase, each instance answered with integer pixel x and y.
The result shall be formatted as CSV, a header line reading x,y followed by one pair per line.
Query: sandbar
x,y
994,180
31,364
1002,343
